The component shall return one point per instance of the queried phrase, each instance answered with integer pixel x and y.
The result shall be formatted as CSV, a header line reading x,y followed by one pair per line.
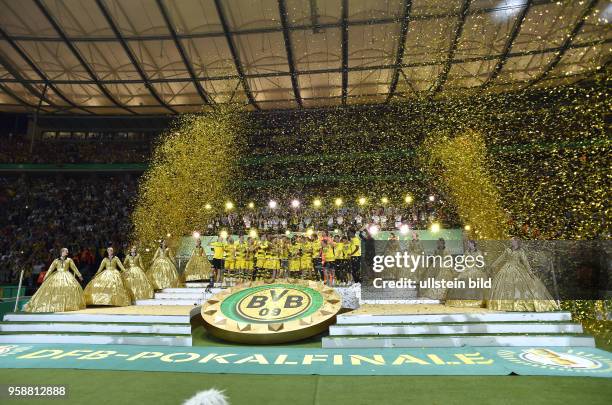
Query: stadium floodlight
x,y
404,229
316,203
373,229
384,200
253,233
362,201
467,228
208,206
435,227
196,234
272,204
507,9
251,205
432,198
229,205
295,203
408,198
223,234
338,202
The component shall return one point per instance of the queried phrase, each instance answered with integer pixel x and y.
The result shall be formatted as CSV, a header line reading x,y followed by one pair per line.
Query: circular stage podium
x,y
269,313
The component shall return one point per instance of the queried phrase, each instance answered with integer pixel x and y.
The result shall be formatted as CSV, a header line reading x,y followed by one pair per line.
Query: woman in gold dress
x,y
135,279
59,291
107,286
163,273
515,287
198,267
470,297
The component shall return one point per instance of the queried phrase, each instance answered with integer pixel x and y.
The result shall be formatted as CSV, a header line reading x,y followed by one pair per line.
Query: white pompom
x,y
209,397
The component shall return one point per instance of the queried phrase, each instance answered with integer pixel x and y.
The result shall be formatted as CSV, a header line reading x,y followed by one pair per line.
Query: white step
x,y
198,284
187,302
153,340
450,329
455,341
416,301
95,327
82,317
179,296
455,317
194,290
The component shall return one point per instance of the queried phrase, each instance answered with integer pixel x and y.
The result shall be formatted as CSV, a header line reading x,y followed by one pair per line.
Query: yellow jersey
x,y
328,253
218,249
316,249
339,251
307,249
230,250
261,250
241,250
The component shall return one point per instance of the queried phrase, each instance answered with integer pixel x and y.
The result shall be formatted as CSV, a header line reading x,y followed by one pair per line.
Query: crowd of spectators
x,y
354,216
17,150
41,214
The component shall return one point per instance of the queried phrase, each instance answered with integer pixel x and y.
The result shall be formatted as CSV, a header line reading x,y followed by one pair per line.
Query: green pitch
x,y
127,387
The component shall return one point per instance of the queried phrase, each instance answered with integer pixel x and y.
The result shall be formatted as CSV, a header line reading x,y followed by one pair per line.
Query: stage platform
x,y
133,325
440,326
167,318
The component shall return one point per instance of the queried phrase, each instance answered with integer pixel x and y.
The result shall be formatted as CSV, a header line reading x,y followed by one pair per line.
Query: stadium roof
x,y
164,57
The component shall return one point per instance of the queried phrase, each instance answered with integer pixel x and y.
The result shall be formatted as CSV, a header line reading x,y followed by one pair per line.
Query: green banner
x,y
589,362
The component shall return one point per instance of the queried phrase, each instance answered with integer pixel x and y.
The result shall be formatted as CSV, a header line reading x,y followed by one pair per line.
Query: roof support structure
x,y
78,56
130,54
39,72
401,46
344,44
325,70
516,28
316,25
566,44
453,48
282,9
20,80
234,52
15,96
179,46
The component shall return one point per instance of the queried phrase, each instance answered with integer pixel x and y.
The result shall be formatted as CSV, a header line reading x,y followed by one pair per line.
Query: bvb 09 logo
x,y
274,304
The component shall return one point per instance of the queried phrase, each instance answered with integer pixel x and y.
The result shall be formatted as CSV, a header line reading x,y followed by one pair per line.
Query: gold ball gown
x,y
436,273
107,286
415,249
163,273
516,288
198,267
469,297
60,291
135,279
392,247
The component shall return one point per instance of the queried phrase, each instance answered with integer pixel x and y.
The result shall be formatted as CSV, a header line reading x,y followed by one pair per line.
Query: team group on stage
x,y
332,260
316,257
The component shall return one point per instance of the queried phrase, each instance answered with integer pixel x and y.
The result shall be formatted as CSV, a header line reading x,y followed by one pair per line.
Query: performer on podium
x,y
107,286
515,287
59,291
198,267
163,273
135,279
